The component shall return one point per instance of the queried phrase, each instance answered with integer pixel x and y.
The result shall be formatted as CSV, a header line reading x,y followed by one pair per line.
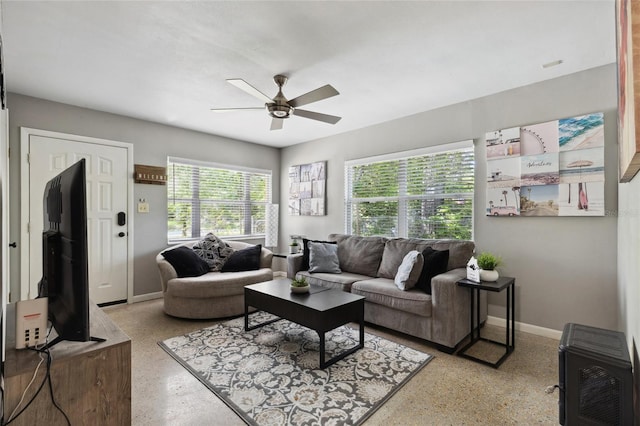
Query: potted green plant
x,y
488,262
293,247
299,285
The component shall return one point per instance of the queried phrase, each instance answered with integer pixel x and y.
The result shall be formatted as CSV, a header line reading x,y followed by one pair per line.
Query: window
x,y
425,193
204,197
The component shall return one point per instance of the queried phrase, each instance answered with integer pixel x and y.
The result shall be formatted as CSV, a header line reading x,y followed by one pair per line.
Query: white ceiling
x,y
167,61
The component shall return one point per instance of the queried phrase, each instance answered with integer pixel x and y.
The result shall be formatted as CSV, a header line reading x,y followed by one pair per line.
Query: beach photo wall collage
x,y
548,169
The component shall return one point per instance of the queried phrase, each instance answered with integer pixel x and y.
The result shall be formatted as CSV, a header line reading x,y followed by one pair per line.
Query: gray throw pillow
x,y
409,270
323,257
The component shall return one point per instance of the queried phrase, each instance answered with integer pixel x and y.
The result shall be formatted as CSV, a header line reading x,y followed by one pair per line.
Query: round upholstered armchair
x,y
212,294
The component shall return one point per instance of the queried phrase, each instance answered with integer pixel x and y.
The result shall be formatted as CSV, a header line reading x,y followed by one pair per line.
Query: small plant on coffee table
x,y
299,282
299,285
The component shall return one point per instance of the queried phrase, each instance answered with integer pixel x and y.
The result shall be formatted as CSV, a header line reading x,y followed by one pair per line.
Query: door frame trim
x,y
25,134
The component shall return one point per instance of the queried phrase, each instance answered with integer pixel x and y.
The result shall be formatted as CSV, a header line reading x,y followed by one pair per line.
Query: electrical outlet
x,y
31,322
143,207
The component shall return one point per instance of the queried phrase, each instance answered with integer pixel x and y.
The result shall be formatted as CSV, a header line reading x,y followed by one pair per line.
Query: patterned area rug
x,y
270,375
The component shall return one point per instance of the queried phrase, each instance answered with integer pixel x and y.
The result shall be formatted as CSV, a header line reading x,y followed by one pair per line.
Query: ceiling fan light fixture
x,y
279,111
280,108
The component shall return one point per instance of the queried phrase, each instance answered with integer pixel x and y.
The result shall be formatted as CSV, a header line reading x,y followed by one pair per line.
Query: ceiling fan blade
x,y
332,119
319,94
236,109
276,123
243,85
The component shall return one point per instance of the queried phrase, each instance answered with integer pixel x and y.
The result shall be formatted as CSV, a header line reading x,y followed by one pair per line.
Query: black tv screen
x,y
65,269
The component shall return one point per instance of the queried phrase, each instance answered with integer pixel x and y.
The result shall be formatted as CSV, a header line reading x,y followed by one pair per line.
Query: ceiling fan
x,y
280,108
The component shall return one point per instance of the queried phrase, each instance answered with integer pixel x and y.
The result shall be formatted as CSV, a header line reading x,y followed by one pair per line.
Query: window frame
x,y
196,203
403,198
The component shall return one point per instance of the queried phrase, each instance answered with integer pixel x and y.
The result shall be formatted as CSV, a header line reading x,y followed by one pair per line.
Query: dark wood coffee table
x,y
321,310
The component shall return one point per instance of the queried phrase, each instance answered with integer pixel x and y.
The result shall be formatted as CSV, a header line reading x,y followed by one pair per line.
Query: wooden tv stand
x,y
91,380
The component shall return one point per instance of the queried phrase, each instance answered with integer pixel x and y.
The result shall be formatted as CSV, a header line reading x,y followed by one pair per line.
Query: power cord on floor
x,y
551,389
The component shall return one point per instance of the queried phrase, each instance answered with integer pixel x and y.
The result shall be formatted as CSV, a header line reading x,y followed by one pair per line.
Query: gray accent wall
x,y
565,267
152,144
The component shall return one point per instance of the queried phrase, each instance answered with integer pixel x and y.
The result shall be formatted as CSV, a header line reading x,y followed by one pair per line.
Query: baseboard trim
x,y
279,274
145,297
527,328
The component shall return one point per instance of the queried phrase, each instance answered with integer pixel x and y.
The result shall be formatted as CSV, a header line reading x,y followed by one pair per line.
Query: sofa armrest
x,y
266,258
166,271
294,265
450,309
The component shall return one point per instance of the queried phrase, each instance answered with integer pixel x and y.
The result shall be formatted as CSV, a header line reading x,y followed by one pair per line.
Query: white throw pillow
x,y
409,271
323,257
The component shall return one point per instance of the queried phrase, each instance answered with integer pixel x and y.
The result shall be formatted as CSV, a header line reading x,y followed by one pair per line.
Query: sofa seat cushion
x,y
217,284
383,291
340,281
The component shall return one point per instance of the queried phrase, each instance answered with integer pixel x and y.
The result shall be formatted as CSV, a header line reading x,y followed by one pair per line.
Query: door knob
x,y
121,234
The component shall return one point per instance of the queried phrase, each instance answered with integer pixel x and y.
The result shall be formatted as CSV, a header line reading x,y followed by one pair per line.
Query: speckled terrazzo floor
x,y
449,391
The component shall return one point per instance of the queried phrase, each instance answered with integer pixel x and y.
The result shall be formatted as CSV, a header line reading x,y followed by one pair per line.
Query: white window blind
x,y
419,194
204,197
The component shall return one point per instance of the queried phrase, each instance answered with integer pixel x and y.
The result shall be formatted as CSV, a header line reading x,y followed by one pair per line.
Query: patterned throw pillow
x,y
213,250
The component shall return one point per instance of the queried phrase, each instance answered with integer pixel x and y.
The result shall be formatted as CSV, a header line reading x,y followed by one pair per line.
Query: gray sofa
x,y
214,294
369,265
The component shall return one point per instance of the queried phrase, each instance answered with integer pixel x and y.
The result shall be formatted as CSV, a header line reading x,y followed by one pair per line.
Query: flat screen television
x,y
65,271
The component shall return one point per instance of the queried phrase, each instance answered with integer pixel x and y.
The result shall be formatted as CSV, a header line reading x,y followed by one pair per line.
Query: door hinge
x,y
29,157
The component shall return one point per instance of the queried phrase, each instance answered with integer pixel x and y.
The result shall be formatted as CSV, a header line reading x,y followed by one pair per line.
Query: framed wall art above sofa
x,y
307,185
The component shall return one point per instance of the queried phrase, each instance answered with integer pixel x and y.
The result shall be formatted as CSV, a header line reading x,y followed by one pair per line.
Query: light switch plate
x,y
31,322
143,207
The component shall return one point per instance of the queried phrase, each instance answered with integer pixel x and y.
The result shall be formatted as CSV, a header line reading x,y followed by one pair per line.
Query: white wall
x,y
152,144
565,267
629,268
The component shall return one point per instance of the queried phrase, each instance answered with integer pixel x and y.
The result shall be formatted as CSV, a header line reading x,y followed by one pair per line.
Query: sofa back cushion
x,y
460,251
381,257
360,255
394,252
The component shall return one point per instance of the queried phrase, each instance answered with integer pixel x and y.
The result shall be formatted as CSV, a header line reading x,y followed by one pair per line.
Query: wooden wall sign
x,y
154,175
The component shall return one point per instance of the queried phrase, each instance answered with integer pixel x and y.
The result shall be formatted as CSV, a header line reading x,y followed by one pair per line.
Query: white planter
x,y
489,275
304,289
293,249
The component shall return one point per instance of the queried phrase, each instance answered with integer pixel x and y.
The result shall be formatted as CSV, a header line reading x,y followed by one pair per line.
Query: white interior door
x,y
107,175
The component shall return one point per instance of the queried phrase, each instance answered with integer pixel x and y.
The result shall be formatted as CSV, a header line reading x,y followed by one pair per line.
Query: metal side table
x,y
497,286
